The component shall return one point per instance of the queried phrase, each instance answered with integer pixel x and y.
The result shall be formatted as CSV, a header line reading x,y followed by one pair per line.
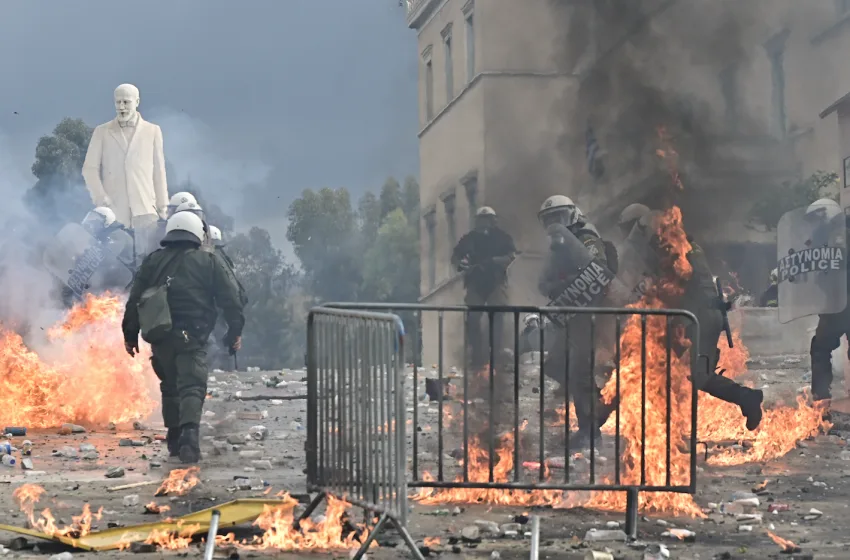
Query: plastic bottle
x,y
8,461
5,448
26,447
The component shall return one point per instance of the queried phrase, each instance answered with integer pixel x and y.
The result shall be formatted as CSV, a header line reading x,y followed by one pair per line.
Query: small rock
x,y
125,442
115,472
131,500
661,522
819,484
297,426
515,527
612,524
745,528
252,454
749,518
209,413
138,426
67,452
681,534
86,447
510,534
258,433
142,548
495,555
62,556
138,443
26,464
90,456
68,429
111,426
457,511
656,552
488,526
471,534
263,465
236,439
605,535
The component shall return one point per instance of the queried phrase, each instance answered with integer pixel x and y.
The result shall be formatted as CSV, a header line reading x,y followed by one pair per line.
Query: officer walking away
x,y
218,243
177,200
483,255
770,297
173,303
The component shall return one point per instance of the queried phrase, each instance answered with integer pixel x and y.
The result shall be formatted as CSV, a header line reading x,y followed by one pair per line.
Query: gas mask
x,y
557,234
484,224
126,102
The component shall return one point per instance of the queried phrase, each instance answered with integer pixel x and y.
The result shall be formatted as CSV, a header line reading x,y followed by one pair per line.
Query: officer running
x,y
701,298
557,214
197,283
483,256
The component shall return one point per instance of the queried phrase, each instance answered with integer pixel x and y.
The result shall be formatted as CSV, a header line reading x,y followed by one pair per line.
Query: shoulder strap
x,y
166,265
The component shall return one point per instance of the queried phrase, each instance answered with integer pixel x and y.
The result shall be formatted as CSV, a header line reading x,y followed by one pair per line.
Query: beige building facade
x,y
507,91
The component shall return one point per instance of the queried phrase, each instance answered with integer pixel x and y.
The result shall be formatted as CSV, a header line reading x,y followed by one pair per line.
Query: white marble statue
x,y
125,169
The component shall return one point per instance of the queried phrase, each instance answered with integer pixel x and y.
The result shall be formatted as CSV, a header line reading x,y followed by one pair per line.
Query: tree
x,y
323,231
273,335
390,197
59,195
411,199
391,265
789,196
369,216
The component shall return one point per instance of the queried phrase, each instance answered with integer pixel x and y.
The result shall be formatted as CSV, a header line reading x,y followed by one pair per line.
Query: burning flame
x,y
784,544
169,540
330,533
179,482
431,542
29,494
76,377
154,507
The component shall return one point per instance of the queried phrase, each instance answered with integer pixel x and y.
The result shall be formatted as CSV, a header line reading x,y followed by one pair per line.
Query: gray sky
x,y
286,94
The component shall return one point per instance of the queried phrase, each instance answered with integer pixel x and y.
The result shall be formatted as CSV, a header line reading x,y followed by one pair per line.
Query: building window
x,y
447,50
729,89
449,205
431,224
470,48
471,187
429,84
776,52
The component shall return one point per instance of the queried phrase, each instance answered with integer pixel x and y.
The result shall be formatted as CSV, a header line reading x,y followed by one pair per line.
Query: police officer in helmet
x,y
483,256
197,285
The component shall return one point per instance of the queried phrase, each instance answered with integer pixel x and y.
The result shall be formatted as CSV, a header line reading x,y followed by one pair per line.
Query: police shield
x,y
812,262
584,279
84,264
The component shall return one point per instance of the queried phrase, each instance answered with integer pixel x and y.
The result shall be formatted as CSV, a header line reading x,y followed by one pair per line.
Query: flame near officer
x,y
173,303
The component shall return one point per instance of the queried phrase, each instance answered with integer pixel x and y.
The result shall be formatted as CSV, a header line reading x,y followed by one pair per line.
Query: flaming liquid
x,y
30,494
179,482
77,377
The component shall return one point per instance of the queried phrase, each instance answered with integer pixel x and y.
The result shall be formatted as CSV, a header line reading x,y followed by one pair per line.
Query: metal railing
x,y
647,364
356,443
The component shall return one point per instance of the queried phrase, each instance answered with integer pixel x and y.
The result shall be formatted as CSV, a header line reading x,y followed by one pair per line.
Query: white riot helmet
x,y
559,209
532,320
192,207
824,209
98,220
630,215
179,199
774,276
183,226
485,218
215,237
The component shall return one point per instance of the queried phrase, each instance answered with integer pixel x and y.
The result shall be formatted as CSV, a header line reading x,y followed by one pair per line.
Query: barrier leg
x,y
407,539
631,513
309,511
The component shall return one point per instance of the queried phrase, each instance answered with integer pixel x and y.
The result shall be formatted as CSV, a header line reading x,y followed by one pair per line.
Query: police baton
x,y
235,361
724,307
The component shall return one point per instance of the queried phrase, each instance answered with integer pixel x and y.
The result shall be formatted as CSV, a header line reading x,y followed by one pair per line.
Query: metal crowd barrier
x,y
356,442
596,480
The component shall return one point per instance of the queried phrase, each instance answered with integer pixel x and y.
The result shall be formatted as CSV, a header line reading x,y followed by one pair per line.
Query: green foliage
x,y
60,195
323,231
789,196
274,333
391,264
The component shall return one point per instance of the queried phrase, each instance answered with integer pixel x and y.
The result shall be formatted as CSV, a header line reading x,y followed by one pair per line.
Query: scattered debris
x,y
26,464
15,431
66,452
114,472
258,433
131,500
139,427
656,552
488,526
471,534
263,464
605,535
68,429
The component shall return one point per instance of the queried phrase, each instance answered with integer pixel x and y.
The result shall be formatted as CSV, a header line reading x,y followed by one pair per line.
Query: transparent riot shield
x,y
84,264
812,262
120,244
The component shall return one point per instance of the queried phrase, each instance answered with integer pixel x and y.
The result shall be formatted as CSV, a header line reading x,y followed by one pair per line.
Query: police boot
x,y
749,400
172,439
190,447
821,371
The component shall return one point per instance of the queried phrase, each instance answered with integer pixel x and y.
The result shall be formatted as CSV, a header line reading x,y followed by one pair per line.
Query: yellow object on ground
x,y
232,514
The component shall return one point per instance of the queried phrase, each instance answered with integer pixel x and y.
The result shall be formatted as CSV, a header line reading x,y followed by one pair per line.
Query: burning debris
x,y
787,546
75,379
30,494
179,482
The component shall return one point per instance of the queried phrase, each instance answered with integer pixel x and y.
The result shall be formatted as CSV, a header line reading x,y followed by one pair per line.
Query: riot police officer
x,y
630,216
483,256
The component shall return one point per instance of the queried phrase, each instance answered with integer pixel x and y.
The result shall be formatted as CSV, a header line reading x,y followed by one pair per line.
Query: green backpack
x,y
154,312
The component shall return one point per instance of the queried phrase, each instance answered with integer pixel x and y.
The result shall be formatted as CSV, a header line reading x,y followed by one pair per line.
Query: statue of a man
x,y
125,169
